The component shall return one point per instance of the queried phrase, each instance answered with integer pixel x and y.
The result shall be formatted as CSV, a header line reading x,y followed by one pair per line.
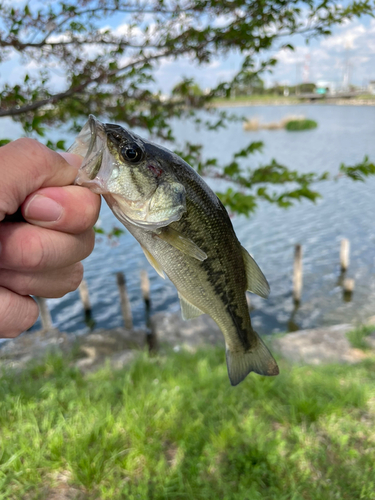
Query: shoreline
x,y
292,102
119,346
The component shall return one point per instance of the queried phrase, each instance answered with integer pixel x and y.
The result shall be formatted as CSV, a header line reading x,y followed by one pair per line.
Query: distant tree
x,y
276,89
248,83
188,90
307,88
111,72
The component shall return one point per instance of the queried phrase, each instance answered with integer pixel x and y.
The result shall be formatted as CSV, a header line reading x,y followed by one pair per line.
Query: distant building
x,y
325,87
371,87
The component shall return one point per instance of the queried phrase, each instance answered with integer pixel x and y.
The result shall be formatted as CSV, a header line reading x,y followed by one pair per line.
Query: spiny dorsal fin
x,y
185,245
258,360
155,264
256,281
188,310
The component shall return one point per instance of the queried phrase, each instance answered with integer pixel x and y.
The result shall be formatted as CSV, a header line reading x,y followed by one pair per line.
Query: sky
x,y
349,51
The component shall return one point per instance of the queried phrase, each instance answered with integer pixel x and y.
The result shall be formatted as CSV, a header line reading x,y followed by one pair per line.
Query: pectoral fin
x,y
256,281
188,310
155,264
185,245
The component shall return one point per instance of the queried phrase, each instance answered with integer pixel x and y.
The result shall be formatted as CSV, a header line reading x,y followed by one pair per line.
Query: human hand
x,y
42,255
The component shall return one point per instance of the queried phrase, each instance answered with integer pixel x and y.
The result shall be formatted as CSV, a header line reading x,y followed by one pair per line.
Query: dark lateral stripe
x,y
242,334
215,278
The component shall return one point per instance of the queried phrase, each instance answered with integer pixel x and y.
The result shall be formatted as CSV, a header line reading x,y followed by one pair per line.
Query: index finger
x,y
27,165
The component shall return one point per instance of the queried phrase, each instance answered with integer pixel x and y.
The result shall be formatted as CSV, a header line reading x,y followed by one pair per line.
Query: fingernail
x,y
41,208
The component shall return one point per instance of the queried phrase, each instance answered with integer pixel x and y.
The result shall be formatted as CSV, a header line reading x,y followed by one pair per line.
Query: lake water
x,y
346,209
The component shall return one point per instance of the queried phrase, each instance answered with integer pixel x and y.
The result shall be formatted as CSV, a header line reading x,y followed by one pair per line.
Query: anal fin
x,y
188,310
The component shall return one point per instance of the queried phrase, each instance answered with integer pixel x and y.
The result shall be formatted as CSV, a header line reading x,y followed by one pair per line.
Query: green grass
x,y
365,96
297,125
171,427
357,337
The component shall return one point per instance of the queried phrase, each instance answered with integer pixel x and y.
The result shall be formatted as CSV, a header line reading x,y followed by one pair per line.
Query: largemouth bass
x,y
184,231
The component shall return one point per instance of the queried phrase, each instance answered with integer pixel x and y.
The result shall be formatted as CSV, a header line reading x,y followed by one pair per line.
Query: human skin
x,y
41,255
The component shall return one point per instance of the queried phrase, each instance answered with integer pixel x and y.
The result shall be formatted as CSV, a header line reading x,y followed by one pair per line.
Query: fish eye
x,y
132,153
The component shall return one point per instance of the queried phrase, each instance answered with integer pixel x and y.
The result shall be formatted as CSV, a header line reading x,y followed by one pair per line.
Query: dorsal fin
x,y
256,281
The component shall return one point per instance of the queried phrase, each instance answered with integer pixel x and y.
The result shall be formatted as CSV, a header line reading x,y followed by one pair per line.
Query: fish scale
x,y
185,232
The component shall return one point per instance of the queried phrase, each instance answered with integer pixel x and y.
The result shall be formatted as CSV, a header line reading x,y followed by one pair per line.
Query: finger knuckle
x,y
91,212
89,243
25,284
32,252
76,277
73,278
86,220
35,150
37,154
30,316
17,314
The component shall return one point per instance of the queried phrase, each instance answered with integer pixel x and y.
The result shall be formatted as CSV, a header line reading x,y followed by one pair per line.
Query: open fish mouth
x,y
91,143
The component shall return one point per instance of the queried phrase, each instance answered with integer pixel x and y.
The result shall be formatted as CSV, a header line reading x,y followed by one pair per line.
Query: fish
x,y
185,233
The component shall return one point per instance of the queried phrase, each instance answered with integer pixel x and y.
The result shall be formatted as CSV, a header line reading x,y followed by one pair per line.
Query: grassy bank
x,y
173,428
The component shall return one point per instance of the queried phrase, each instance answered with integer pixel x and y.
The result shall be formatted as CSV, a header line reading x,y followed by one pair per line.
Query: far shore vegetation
x,y
298,125
171,427
269,99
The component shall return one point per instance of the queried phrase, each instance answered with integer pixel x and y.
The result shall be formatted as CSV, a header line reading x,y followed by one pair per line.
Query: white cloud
x,y
350,38
350,48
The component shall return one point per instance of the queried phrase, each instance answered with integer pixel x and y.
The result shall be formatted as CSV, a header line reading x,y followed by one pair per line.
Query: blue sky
x,y
351,46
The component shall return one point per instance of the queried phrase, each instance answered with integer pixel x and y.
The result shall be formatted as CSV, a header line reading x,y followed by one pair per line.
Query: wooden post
x,y
45,315
344,254
85,298
348,287
150,334
297,274
125,303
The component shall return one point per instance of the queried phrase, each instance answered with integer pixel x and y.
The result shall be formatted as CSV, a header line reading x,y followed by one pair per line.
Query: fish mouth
x,y
90,144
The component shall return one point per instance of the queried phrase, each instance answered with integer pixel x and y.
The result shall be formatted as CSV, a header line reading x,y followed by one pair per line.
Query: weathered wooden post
x,y
348,287
297,274
85,298
150,334
125,302
344,254
45,315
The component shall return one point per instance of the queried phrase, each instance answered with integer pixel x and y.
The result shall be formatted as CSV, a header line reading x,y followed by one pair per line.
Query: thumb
x,y
27,165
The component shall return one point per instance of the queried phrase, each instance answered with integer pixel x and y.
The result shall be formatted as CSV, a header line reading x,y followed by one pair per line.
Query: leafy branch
x,y
112,73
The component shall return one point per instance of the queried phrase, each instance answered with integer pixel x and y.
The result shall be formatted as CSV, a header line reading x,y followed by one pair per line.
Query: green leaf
x,y
360,171
238,202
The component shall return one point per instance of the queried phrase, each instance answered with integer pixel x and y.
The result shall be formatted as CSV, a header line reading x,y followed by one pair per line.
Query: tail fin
x,y
258,360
